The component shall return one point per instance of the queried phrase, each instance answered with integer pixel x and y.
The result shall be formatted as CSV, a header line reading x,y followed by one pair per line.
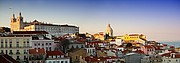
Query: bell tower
x,y
16,24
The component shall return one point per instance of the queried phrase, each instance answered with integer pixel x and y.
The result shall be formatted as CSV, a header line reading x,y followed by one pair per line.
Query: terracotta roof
x,y
171,46
148,46
166,54
164,44
54,53
99,59
7,59
30,32
133,34
37,51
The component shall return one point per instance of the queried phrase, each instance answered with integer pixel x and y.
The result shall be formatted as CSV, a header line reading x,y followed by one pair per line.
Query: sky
x,y
159,20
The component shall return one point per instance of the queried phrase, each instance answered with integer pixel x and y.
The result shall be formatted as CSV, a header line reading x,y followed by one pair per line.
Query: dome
x,y
109,30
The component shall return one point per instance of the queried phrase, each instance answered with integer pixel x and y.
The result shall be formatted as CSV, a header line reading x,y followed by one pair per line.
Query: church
x,y
17,24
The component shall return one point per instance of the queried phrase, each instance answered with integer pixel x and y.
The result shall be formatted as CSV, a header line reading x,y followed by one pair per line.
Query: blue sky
x,y
157,19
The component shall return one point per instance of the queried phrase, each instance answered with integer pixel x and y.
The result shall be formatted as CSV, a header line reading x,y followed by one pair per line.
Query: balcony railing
x,y
17,52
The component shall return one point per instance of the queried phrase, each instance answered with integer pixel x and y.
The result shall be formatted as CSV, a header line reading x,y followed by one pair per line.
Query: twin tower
x,y
16,23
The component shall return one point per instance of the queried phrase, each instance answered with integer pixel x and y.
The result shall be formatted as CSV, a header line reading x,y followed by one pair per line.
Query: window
x,y
5,44
10,44
24,44
24,57
10,52
2,44
17,44
49,48
66,61
46,43
6,51
2,52
34,44
49,43
17,52
25,51
62,61
43,44
17,58
38,44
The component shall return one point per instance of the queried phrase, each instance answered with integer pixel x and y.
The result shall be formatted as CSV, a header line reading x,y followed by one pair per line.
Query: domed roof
x,y
109,30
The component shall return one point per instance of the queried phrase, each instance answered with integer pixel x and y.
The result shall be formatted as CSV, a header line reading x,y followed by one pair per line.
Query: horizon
x,y
157,19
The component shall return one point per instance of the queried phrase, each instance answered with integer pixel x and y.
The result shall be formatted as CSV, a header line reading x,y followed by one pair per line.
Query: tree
x,y
65,44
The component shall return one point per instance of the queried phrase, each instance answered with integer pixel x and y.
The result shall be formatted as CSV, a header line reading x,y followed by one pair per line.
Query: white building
x,y
39,43
52,29
171,58
56,57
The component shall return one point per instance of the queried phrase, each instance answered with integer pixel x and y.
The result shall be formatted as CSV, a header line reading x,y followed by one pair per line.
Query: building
x,y
16,46
39,39
139,38
151,59
133,57
148,49
40,42
171,57
17,24
37,55
99,36
109,31
56,57
77,55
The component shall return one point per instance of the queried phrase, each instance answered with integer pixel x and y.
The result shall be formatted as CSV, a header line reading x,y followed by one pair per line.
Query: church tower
x,y
16,24
109,30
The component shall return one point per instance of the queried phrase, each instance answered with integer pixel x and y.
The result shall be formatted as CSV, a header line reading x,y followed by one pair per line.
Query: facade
x,y
37,55
52,29
148,49
151,59
99,36
171,58
56,57
77,55
133,57
16,46
139,38
39,43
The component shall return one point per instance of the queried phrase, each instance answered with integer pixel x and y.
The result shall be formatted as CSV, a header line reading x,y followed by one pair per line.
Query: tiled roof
x,y
7,59
54,53
133,34
148,46
37,51
30,32
99,59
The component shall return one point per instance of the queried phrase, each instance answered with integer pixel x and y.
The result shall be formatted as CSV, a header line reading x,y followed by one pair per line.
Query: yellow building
x,y
99,36
140,38
15,46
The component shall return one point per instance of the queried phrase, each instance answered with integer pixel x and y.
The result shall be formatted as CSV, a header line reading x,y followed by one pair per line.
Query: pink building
x,y
148,49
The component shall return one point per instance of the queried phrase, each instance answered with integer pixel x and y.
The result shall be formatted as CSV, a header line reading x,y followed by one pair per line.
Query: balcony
x,y
10,53
17,52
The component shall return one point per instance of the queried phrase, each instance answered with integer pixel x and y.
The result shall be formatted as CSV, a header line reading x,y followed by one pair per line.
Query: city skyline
x,y
157,19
